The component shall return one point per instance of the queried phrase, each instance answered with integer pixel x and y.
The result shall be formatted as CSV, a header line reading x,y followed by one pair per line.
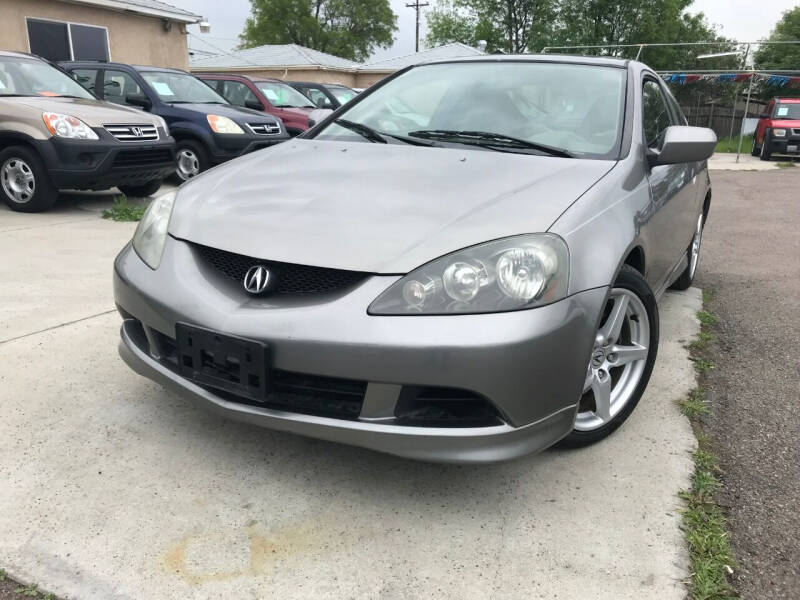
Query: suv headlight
x,y
509,274
779,132
67,126
151,234
223,124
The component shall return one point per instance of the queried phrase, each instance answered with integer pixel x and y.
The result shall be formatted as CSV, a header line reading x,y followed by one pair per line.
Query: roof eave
x,y
122,6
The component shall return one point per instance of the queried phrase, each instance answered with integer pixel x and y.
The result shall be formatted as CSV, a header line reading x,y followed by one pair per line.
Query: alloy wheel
x,y
618,360
694,251
188,164
19,184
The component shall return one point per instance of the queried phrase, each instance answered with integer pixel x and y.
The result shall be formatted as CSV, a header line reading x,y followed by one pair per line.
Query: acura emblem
x,y
137,131
256,279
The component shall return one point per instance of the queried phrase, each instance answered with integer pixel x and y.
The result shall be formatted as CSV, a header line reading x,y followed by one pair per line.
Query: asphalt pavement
x,y
114,489
751,263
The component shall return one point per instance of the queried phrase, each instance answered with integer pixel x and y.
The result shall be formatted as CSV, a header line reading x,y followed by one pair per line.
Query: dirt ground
x,y
751,263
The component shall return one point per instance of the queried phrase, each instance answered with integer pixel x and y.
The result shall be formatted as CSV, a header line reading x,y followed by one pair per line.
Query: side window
x,y
214,84
318,97
679,117
118,85
655,114
237,93
86,77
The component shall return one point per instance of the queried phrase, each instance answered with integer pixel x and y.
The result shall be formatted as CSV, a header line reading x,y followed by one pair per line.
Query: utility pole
x,y
417,5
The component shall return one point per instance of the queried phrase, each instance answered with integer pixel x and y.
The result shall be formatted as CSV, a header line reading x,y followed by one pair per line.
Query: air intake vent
x,y
133,133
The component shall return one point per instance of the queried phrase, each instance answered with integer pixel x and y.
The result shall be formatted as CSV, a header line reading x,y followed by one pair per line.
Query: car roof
x,y
118,65
600,61
238,76
10,54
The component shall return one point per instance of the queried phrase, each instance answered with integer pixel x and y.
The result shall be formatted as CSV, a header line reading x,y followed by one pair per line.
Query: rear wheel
x,y
142,191
692,258
624,352
192,160
24,180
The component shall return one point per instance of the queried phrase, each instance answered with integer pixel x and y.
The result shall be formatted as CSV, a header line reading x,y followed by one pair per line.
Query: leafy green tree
x,y
348,28
782,56
505,25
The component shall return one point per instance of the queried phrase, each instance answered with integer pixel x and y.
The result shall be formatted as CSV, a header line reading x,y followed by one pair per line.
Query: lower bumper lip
x,y
457,445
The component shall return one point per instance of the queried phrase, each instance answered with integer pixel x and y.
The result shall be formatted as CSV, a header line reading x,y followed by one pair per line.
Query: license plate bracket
x,y
226,362
791,148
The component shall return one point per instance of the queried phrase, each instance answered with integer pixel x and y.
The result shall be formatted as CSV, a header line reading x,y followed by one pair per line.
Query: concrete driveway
x,y
112,488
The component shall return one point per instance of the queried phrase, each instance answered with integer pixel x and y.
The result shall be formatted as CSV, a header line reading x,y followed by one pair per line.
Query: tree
x,y
782,56
505,25
529,25
348,28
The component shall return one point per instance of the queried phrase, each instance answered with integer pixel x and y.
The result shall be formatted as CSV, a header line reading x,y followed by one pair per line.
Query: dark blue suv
x,y
207,129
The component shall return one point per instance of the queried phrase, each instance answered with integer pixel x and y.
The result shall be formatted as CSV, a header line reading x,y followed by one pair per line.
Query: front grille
x,y
264,128
289,278
133,133
288,391
143,158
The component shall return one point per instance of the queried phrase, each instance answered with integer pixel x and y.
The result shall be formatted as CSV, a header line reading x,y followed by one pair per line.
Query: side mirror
x,y
253,104
140,101
684,144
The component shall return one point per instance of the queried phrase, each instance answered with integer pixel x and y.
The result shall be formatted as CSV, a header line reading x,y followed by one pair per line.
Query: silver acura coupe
x,y
462,264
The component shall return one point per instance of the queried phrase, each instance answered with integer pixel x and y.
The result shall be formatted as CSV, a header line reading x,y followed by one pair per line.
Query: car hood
x,y
95,113
373,207
241,115
785,123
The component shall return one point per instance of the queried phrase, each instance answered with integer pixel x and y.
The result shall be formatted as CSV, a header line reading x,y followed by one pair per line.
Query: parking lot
x,y
116,489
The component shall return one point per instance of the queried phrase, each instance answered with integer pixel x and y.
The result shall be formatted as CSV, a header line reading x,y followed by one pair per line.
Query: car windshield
x,y
282,95
576,110
31,77
181,88
787,110
343,95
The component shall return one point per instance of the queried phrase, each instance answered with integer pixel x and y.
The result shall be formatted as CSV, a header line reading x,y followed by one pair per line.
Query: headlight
x,y
67,126
223,125
779,132
151,234
509,274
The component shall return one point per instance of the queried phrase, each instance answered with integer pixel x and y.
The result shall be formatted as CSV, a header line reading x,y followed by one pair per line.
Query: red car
x,y
778,130
268,95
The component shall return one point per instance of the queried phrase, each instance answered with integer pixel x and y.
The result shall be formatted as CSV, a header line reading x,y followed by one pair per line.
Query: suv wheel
x,y
192,159
26,185
622,360
755,150
141,191
766,153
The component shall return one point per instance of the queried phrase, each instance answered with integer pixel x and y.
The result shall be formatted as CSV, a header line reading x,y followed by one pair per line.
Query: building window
x,y
59,41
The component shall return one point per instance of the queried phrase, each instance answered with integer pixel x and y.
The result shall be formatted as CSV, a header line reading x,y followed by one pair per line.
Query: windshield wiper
x,y
379,137
487,139
363,130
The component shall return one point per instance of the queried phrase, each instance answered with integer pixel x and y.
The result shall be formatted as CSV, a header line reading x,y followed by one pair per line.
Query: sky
x,y
743,20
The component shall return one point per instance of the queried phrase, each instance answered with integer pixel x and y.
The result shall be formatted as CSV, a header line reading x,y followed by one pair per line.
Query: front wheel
x,y
755,150
624,352
192,160
692,258
766,153
24,180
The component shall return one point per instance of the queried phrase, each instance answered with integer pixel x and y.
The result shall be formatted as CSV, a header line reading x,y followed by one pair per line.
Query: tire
x,y
765,153
192,160
755,150
684,281
25,184
620,363
141,191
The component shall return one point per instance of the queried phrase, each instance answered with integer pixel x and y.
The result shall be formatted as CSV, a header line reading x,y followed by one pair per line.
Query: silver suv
x,y
55,135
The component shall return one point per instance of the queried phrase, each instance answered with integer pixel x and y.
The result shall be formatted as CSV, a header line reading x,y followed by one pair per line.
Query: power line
x,y
417,5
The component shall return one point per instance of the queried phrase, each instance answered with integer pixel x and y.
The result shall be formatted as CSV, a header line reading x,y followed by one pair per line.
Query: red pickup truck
x,y
778,129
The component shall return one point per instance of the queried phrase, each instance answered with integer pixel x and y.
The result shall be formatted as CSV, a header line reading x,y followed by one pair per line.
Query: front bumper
x,y
786,145
105,163
225,147
530,365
